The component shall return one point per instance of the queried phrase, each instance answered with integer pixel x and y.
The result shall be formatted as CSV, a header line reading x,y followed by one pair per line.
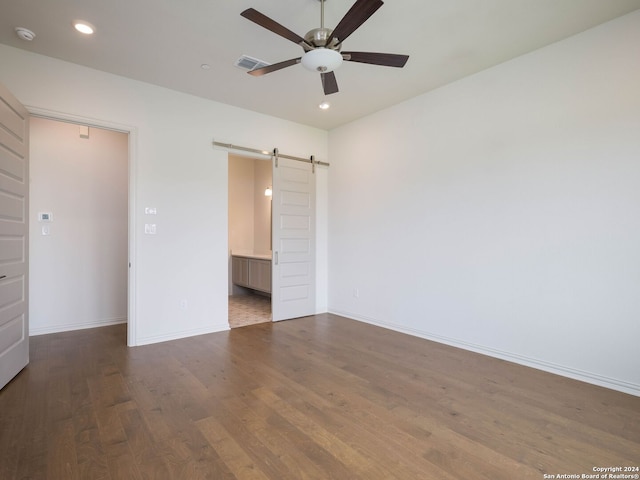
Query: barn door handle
x,y
3,276
276,258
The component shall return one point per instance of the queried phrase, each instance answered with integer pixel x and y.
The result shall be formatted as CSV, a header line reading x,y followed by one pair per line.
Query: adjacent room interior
x,y
457,262
250,249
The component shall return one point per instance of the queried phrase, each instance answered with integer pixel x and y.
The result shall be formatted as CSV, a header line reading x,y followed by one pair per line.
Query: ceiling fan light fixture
x,y
321,60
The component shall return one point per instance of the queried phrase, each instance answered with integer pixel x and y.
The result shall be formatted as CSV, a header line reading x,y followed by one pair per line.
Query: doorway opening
x,y
250,237
79,223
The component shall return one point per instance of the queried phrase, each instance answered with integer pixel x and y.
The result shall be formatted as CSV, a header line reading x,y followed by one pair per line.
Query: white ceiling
x,y
164,42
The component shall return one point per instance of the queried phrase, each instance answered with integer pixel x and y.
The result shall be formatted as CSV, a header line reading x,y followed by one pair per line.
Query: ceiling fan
x,y
323,46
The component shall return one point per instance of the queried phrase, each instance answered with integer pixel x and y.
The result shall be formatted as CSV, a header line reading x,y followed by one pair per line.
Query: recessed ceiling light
x,y
324,105
84,27
205,66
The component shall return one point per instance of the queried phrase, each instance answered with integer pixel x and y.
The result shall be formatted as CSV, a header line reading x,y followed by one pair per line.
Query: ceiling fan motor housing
x,y
317,38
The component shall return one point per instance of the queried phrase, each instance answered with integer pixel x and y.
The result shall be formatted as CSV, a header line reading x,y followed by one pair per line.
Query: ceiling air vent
x,y
249,63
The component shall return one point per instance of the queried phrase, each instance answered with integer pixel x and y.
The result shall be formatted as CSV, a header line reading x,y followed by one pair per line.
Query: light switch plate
x,y
150,228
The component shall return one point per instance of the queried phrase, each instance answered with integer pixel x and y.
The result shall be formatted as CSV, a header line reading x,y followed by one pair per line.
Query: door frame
x,y
132,132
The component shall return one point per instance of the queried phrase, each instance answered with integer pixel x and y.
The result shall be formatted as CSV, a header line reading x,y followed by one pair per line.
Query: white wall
x,y
241,203
174,169
501,213
262,206
77,273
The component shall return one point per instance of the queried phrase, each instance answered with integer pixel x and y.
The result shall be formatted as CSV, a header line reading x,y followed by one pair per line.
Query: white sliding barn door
x,y
293,292
14,239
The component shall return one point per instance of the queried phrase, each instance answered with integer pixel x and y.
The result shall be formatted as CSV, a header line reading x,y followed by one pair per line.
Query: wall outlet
x,y
184,305
356,293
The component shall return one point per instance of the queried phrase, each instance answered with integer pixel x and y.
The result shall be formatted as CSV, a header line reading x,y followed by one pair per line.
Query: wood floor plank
x,y
418,445
12,419
359,465
121,461
362,366
184,450
31,462
400,438
92,460
303,394
307,445
232,453
62,461
258,418
320,397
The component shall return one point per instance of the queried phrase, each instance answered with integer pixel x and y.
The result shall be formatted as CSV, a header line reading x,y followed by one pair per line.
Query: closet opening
x,y
79,223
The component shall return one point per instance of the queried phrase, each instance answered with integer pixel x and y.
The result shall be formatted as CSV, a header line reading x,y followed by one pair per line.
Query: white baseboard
x,y
583,376
67,327
221,327
119,320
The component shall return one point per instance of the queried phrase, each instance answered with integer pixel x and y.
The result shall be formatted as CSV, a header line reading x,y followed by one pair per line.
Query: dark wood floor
x,y
315,398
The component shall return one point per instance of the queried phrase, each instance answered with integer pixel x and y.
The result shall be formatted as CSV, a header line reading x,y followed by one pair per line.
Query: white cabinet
x,y
240,271
249,272
260,275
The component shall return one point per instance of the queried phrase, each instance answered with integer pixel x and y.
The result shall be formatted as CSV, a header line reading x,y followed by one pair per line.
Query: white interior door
x,y
293,292
14,239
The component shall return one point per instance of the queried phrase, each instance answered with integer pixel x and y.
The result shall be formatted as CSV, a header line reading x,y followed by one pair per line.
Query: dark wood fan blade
x,y
329,83
272,68
384,59
271,25
356,16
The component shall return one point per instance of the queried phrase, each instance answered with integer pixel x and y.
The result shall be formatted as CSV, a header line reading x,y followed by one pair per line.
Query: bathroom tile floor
x,y
248,310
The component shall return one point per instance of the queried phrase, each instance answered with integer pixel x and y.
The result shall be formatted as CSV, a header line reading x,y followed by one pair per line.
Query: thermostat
x,y
45,217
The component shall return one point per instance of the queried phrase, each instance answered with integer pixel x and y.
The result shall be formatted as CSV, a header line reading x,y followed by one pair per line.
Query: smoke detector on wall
x,y
25,34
